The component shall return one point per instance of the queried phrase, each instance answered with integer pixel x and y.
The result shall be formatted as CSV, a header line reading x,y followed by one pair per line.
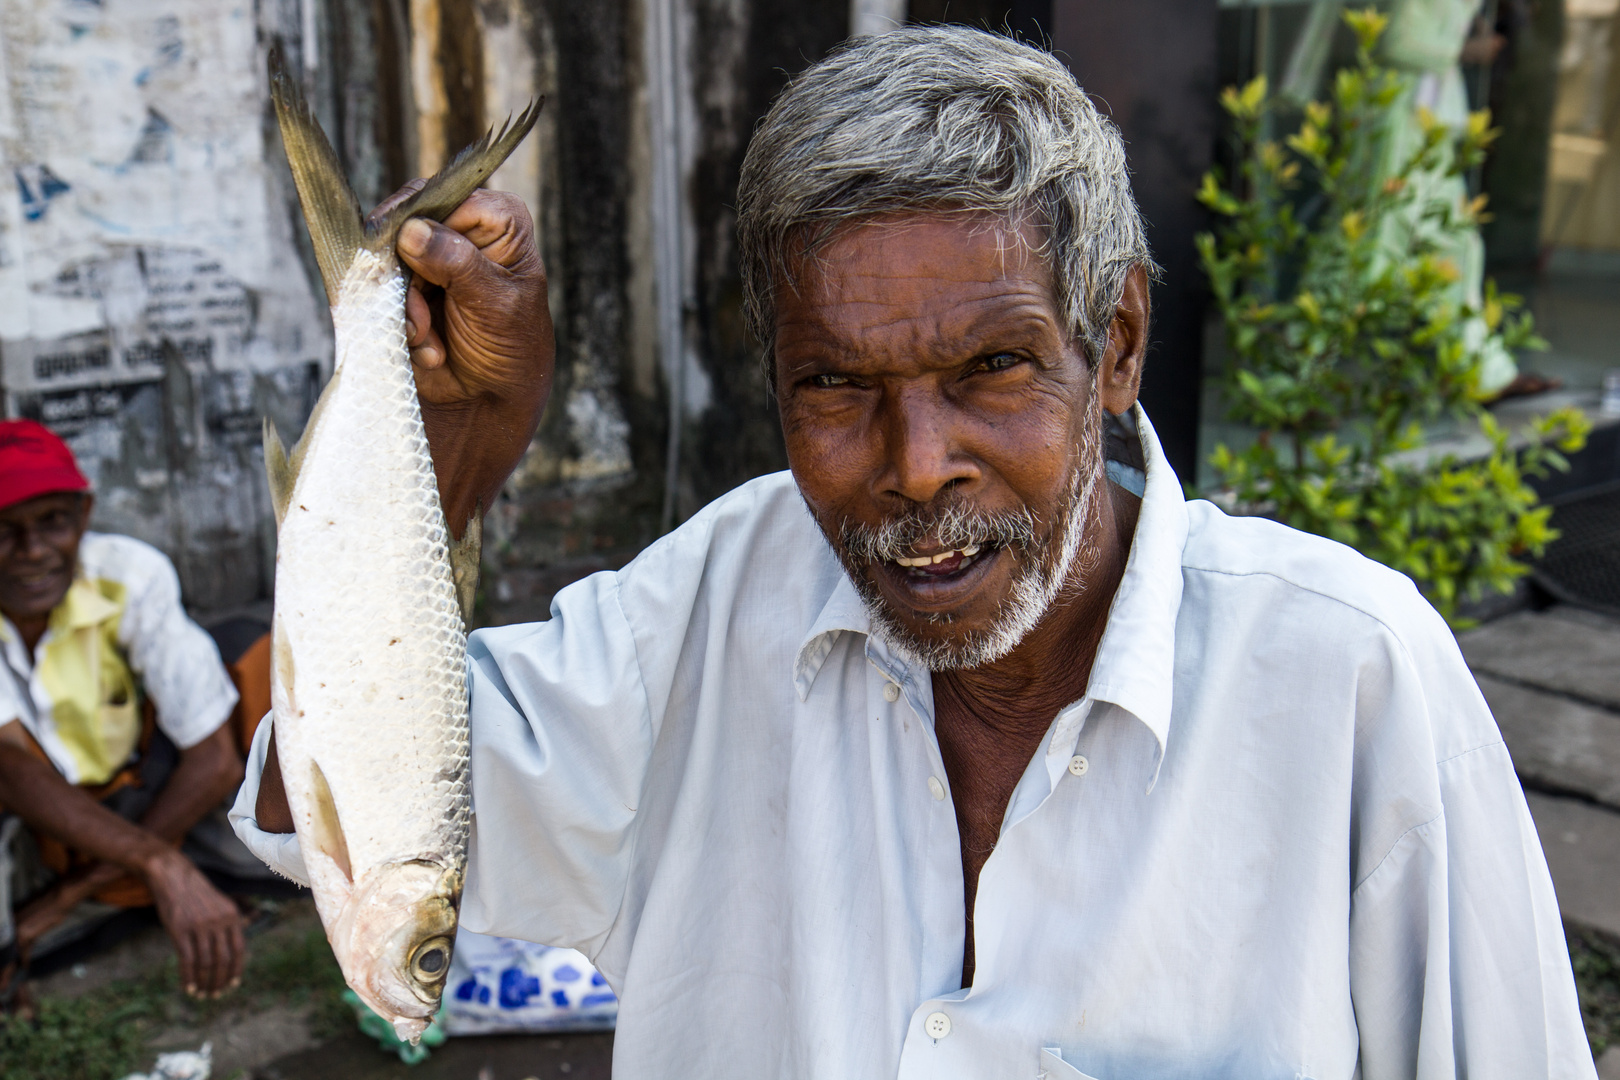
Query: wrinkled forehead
x,y
939,281
922,242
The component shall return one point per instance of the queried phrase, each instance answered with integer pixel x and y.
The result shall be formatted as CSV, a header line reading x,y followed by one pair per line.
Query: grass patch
x,y
104,1034
1596,959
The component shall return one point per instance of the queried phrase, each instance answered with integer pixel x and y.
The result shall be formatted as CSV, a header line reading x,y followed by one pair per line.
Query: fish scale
x,y
364,586
369,648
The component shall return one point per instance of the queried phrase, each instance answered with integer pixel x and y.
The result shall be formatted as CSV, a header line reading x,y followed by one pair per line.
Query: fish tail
x,y
450,186
331,211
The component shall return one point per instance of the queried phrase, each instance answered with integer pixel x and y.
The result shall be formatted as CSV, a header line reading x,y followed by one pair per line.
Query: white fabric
x,y
175,659
1297,848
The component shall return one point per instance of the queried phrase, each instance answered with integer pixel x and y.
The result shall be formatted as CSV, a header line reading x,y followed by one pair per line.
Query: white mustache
x,y
954,526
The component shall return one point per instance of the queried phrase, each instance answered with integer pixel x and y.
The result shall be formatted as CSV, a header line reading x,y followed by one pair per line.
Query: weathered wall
x,y
152,302
157,293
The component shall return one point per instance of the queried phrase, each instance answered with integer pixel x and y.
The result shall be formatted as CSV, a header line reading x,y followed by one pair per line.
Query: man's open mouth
x,y
941,564
936,582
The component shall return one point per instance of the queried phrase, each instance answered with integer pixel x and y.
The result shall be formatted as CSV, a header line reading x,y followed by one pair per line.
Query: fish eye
x,y
431,960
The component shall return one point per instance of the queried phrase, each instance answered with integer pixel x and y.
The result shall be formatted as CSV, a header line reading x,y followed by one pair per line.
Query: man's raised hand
x,y
481,341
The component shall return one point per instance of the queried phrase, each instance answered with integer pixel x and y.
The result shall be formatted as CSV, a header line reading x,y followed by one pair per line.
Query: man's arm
x,y
481,342
204,923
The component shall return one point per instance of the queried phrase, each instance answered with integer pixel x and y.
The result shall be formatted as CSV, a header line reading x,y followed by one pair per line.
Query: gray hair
x,y
941,117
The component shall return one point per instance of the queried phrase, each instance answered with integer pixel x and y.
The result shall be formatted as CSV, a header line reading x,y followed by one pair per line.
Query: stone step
x,y
1557,743
1563,649
1582,844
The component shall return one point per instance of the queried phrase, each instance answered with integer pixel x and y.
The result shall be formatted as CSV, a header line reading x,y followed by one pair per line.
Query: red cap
x,y
35,461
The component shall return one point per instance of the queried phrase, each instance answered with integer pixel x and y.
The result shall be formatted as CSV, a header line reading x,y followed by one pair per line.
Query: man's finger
x,y
219,943
188,961
446,258
203,943
498,222
224,958
418,316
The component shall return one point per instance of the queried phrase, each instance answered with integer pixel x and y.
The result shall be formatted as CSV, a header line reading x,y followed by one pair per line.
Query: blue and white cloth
x,y
500,985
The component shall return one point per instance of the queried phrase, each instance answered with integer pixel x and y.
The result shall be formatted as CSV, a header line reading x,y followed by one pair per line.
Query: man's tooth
x,y
970,551
921,560
942,556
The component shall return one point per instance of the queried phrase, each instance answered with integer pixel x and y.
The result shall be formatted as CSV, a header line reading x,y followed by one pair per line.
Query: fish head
x,y
394,940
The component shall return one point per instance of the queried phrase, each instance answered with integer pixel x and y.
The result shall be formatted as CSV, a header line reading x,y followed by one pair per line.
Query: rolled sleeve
x,y
278,851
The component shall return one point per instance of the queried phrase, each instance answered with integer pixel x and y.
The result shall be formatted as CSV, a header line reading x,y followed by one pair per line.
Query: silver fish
x,y
369,643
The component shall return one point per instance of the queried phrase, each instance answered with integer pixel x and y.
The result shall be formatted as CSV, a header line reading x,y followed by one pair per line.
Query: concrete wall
x,y
152,301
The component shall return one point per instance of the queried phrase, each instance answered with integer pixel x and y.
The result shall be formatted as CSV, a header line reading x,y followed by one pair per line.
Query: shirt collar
x,y
842,611
82,606
1135,662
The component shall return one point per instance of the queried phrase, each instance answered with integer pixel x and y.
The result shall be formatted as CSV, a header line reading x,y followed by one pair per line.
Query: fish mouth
x,y
396,938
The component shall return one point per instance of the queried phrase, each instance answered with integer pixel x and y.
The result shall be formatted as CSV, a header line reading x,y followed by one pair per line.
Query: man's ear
x,y
87,503
1120,375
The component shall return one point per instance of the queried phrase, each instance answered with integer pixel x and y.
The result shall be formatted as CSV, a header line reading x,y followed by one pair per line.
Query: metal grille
x,y
1583,565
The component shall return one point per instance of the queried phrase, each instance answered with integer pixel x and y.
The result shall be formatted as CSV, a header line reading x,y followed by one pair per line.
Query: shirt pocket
x,y
120,725
1053,1067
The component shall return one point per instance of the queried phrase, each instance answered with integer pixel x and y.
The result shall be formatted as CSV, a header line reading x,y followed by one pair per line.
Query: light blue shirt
x,y
1279,838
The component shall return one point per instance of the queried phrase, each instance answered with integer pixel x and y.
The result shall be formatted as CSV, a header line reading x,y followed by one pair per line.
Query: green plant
x,y
1595,956
1348,334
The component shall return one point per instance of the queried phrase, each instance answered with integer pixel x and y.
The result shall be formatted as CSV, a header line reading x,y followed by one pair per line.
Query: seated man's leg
x,y
204,924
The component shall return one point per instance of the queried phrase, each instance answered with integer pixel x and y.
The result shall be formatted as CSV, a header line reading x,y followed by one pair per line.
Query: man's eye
x,y
1000,362
827,382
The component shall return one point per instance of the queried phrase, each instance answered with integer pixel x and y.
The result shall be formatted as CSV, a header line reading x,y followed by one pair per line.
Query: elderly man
x,y
92,630
1003,759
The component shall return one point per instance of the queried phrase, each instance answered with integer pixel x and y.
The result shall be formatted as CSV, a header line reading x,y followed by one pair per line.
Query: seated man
x,y
961,750
93,635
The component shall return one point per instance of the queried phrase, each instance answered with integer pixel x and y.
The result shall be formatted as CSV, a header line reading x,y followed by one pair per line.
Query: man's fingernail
x,y
410,329
414,237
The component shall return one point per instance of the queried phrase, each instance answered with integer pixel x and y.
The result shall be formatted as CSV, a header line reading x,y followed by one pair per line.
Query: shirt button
x,y
935,788
891,692
938,1025
1078,765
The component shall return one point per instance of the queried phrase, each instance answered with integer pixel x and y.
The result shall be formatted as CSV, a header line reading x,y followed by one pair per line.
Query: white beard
x,y
1040,582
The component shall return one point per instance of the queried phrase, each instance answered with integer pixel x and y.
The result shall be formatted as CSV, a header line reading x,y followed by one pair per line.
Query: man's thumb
x,y
441,255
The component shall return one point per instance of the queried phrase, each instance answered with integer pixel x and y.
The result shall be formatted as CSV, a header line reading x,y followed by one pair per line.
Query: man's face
x,y
39,548
943,427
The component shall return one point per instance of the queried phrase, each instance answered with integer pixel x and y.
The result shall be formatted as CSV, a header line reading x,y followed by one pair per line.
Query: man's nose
x,y
926,456
30,544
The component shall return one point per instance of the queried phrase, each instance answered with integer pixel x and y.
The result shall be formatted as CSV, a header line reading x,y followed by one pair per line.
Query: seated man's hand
x,y
481,341
202,921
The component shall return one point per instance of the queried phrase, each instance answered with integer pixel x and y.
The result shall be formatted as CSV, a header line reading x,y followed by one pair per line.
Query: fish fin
x,y
450,186
282,467
329,838
464,556
331,211
278,470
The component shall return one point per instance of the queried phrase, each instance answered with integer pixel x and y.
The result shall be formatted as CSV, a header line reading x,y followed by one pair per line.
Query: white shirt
x,y
120,632
1280,836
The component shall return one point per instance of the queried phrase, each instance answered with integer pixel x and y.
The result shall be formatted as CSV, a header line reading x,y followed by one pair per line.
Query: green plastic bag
x,y
375,1027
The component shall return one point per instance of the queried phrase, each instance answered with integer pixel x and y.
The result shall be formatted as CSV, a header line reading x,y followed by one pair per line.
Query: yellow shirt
x,y
118,633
